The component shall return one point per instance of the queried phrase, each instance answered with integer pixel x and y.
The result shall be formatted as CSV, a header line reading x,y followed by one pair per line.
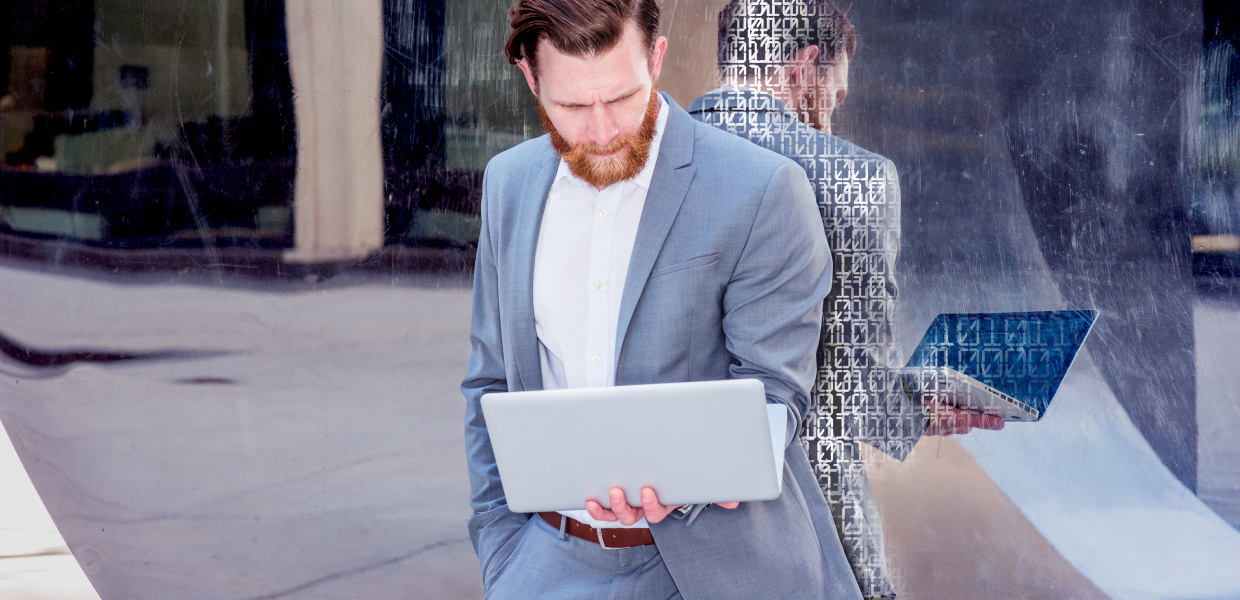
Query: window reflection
x,y
133,124
171,123
451,102
1216,207
168,130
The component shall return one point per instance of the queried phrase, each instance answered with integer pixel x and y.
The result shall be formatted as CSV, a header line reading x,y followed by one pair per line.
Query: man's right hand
x,y
949,420
651,509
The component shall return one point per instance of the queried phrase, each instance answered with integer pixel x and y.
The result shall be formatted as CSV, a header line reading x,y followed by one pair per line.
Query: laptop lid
x,y
1024,355
695,442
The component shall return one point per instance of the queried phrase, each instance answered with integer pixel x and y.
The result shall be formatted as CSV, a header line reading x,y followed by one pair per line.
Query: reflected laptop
x,y
698,442
1004,364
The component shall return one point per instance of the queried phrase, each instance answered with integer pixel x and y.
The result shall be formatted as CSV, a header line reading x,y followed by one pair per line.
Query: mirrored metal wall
x,y
235,242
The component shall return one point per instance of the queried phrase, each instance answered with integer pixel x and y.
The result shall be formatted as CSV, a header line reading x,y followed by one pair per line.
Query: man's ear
x,y
802,62
805,58
806,55
656,57
530,79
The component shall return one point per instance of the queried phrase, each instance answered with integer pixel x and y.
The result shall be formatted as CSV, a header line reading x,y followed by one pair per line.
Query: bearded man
x,y
633,245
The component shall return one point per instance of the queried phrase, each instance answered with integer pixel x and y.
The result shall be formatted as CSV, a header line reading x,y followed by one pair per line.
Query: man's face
x,y
827,89
597,107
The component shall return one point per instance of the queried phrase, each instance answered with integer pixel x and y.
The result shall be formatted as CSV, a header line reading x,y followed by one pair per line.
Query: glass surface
x,y
236,239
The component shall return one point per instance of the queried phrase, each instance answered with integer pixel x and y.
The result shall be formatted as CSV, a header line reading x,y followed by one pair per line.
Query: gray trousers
x,y
544,566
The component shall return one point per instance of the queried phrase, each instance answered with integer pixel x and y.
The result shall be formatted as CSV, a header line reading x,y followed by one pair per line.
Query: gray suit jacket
x,y
859,398
726,280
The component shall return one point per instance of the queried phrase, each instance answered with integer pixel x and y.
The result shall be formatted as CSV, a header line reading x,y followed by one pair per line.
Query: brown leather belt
x,y
610,538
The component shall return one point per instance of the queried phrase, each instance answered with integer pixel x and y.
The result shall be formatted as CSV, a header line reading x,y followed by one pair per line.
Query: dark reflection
x,y
206,381
1107,184
1095,128
70,54
171,125
413,123
1216,205
201,413
48,358
274,134
413,85
143,133
450,103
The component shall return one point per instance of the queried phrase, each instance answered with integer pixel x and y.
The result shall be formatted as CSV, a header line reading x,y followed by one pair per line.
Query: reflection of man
x,y
785,70
633,245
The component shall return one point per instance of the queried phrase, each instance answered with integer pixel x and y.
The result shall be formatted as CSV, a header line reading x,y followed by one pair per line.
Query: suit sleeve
x,y
858,349
903,413
492,526
773,302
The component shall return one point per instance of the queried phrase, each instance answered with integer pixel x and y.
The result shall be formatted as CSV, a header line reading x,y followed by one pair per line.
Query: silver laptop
x,y
693,443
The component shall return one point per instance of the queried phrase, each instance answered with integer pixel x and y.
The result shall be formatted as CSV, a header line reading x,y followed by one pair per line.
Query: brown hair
x,y
577,27
765,31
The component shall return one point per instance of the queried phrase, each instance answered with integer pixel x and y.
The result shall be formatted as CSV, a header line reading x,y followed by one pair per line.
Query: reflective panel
x,y
236,250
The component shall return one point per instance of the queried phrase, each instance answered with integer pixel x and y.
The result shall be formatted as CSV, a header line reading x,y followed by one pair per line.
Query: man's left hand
x,y
650,509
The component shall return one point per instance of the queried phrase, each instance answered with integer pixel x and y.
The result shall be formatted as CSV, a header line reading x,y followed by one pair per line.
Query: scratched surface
x,y
202,419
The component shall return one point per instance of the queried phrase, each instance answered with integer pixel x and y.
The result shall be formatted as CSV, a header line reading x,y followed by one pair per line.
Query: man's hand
x,y
650,509
948,420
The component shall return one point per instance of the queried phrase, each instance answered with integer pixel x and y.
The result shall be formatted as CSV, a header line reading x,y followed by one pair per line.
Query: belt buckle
x,y
598,532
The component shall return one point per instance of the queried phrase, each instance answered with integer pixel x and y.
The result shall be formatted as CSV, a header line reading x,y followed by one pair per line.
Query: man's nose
x,y
601,129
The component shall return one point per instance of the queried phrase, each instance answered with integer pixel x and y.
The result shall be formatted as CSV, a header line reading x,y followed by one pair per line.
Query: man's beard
x,y
629,153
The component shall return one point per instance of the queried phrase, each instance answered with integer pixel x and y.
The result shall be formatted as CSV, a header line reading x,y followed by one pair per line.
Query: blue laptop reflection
x,y
1006,364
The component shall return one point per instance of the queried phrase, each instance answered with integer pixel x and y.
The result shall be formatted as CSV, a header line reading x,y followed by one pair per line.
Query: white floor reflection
x,y
35,563
1217,325
317,453
308,445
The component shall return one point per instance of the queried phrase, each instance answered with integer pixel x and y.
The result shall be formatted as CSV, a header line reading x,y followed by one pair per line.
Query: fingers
x,y
650,505
651,509
728,505
627,514
947,420
989,422
620,511
597,511
655,511
967,421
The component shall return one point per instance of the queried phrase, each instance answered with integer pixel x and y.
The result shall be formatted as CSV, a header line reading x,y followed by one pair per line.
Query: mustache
x,y
579,151
615,168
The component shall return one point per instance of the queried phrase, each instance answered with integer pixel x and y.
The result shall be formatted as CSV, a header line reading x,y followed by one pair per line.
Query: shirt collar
x,y
643,177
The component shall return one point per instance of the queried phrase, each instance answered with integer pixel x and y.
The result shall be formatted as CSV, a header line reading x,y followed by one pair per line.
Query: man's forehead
x,y
605,75
577,91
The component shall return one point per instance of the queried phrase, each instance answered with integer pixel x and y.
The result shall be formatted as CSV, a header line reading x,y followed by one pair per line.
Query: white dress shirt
x,y
580,265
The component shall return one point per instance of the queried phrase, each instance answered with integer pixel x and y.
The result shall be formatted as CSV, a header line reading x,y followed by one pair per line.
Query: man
x,y
784,65
633,245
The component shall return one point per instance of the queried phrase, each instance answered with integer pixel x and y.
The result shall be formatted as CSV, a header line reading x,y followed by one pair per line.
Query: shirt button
x,y
595,359
598,285
602,212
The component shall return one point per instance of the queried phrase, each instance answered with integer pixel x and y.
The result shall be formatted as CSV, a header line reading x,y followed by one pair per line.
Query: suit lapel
x,y
521,270
672,175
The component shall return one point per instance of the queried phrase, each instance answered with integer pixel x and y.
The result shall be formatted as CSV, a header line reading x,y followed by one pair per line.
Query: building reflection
x,y
157,125
202,411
